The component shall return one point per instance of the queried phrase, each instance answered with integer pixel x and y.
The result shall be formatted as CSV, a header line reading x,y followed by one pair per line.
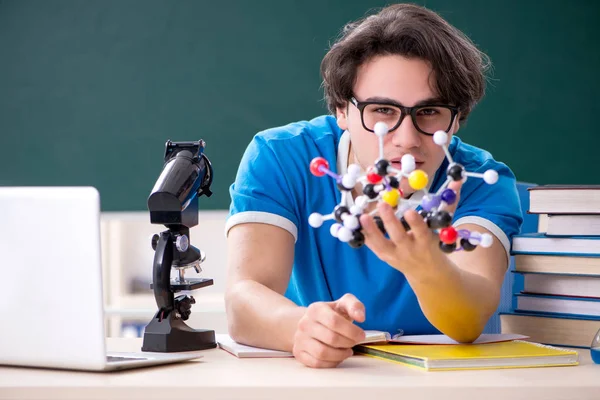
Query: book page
x,y
443,339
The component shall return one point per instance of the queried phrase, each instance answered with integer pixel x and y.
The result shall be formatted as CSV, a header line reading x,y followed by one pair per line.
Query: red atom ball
x,y
318,165
372,176
448,235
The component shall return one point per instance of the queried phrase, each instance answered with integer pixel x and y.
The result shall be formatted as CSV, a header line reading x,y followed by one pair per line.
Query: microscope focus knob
x,y
154,241
182,243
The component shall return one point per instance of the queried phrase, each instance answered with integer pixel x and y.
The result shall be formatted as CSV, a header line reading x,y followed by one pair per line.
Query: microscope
x,y
186,175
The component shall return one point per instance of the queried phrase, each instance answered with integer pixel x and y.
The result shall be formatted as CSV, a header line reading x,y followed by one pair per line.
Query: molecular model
x,y
381,183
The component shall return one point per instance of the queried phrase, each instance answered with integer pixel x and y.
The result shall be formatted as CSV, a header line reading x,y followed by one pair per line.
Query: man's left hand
x,y
410,251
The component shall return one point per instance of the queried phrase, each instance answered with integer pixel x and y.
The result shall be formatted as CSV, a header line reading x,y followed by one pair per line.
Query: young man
x,y
296,288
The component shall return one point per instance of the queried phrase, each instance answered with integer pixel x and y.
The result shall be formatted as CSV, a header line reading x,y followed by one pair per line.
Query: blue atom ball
x,y
449,196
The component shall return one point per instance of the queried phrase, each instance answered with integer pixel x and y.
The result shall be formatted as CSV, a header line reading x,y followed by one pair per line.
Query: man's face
x,y
399,80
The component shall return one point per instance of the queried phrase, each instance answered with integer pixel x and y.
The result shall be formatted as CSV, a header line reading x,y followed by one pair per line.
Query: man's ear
x,y
456,124
342,116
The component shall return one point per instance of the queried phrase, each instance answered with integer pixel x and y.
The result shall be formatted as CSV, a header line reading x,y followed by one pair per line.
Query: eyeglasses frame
x,y
404,112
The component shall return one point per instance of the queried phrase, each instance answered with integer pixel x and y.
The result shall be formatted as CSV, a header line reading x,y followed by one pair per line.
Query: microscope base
x,y
173,335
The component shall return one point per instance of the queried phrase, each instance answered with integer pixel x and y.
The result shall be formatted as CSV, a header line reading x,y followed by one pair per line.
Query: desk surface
x,y
219,375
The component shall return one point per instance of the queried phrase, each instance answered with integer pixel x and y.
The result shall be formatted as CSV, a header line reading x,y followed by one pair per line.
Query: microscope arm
x,y
161,274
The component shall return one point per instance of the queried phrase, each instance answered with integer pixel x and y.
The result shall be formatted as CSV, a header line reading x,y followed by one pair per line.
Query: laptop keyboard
x,y
115,359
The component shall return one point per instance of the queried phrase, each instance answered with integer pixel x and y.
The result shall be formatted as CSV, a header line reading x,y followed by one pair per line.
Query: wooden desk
x,y
219,375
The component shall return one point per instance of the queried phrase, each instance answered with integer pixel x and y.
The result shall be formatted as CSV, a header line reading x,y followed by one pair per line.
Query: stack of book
x,y
557,295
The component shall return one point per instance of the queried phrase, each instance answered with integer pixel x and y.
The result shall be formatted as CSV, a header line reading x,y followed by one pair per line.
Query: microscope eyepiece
x,y
187,174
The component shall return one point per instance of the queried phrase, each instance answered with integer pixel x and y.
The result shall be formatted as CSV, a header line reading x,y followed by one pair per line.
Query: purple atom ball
x,y
430,202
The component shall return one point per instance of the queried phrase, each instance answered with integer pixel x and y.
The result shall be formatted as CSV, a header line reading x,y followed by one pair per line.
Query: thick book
x,y
558,304
539,243
561,284
564,199
557,264
511,354
570,224
553,329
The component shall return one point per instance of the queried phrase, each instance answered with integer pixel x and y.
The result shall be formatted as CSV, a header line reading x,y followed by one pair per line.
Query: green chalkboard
x,y
91,90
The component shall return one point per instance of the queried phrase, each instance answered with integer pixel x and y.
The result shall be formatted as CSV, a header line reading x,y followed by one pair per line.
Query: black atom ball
x,y
338,211
426,215
369,191
456,172
447,248
394,182
381,167
358,240
439,219
466,245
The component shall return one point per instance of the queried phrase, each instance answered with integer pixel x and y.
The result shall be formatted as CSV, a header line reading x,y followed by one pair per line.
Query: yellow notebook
x,y
513,354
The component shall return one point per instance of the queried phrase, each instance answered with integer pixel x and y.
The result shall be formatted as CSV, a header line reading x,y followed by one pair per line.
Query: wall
x,y
90,91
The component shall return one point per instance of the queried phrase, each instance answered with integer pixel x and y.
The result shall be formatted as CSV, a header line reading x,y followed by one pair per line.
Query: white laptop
x,y
51,302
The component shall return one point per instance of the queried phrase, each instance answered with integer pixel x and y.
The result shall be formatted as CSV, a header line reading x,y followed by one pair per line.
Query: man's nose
x,y
406,135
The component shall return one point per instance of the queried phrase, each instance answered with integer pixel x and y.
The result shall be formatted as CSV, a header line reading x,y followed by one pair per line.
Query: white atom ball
x,y
335,228
361,201
381,129
486,240
490,176
345,234
315,220
475,238
354,210
348,181
351,222
440,138
354,170
408,163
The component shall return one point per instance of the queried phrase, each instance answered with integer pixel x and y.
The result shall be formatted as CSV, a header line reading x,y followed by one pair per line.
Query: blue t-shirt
x,y
274,185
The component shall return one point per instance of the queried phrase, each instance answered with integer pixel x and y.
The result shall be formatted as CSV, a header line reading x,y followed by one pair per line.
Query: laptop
x,y
51,302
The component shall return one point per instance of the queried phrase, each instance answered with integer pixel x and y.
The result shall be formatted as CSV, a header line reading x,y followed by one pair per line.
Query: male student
x,y
296,288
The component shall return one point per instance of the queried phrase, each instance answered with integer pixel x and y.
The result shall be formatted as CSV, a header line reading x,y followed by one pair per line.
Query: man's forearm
x,y
456,302
258,316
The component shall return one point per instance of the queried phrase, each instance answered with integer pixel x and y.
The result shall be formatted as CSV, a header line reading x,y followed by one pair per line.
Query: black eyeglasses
x,y
427,118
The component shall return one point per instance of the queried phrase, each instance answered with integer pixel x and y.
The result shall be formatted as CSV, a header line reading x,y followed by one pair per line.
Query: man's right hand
x,y
326,334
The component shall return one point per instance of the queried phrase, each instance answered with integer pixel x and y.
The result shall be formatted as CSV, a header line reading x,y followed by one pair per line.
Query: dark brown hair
x,y
411,31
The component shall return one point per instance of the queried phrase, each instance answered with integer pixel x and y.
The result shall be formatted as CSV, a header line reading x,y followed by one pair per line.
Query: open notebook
x,y
242,351
511,354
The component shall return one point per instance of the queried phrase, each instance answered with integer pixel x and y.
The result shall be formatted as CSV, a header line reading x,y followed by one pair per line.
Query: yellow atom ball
x,y
418,179
391,197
